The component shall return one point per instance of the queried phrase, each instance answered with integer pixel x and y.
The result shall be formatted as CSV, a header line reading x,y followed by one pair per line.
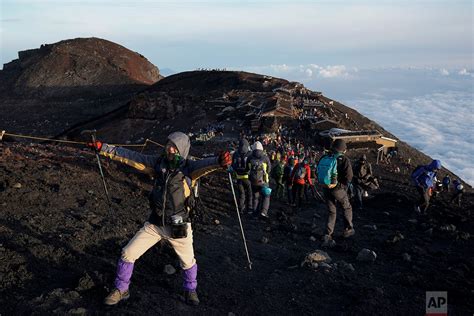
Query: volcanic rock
x,y
317,256
366,255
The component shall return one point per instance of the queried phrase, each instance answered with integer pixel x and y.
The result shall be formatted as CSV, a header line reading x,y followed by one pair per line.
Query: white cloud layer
x,y
464,72
444,72
438,124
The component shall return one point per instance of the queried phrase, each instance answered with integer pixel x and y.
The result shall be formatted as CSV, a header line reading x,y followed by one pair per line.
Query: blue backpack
x,y
327,170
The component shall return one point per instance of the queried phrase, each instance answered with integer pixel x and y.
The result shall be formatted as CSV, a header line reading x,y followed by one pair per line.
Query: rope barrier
x,y
3,133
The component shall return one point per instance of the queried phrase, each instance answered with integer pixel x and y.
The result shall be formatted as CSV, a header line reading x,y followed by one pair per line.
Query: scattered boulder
x,y
78,311
395,238
448,228
329,243
85,283
264,240
429,232
17,185
366,255
370,227
406,257
317,256
345,267
325,265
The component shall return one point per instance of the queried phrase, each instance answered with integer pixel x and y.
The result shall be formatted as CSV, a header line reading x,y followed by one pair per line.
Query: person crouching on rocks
x,y
169,201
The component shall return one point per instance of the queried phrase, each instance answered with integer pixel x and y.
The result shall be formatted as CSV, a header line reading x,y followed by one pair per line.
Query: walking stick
x,y
240,221
92,133
316,192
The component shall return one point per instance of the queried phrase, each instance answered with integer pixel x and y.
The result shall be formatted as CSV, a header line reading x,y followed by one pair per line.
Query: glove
x,y
97,145
225,159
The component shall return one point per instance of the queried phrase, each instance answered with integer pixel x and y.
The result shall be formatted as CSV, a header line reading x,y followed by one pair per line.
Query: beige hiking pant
x,y
150,234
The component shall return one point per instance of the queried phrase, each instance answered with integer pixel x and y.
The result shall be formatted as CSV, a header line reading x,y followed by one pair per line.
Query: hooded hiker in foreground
x,y
170,202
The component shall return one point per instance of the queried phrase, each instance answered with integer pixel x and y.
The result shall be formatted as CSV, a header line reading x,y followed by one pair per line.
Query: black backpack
x,y
257,173
239,164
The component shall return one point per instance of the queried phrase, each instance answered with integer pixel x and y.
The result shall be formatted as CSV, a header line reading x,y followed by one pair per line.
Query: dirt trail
x,y
59,245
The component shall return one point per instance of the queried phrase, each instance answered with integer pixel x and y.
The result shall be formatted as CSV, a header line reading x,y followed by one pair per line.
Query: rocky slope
x,y
56,86
59,243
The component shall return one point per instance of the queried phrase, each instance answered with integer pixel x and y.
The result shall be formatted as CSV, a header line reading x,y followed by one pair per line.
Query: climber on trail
x,y
170,201
424,179
277,175
335,175
300,175
241,170
458,192
260,166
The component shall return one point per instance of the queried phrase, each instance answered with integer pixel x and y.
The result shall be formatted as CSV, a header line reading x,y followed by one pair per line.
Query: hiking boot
x,y
264,215
250,211
348,232
191,297
328,242
116,296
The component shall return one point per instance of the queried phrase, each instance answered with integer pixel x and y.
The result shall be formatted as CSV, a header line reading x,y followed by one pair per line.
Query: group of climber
x,y
296,174
175,175
251,167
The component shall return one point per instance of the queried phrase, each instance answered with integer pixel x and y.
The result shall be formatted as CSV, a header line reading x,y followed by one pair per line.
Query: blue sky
x,y
408,65
188,34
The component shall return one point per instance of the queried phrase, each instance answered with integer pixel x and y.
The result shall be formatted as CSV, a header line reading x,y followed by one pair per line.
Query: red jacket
x,y
307,176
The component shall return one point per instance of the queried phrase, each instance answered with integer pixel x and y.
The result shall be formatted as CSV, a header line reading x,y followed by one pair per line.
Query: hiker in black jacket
x,y
339,194
241,169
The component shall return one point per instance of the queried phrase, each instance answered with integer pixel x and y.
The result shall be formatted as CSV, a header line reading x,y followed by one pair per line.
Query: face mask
x,y
175,162
173,159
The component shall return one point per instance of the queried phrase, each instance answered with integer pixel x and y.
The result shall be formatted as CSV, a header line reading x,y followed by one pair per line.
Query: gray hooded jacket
x,y
172,187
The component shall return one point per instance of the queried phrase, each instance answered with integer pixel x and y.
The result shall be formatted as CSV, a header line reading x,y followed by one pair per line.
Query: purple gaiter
x,y
189,278
124,273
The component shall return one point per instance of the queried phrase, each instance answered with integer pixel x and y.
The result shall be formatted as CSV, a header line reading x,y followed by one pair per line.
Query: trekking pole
x,y
93,133
315,191
240,221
